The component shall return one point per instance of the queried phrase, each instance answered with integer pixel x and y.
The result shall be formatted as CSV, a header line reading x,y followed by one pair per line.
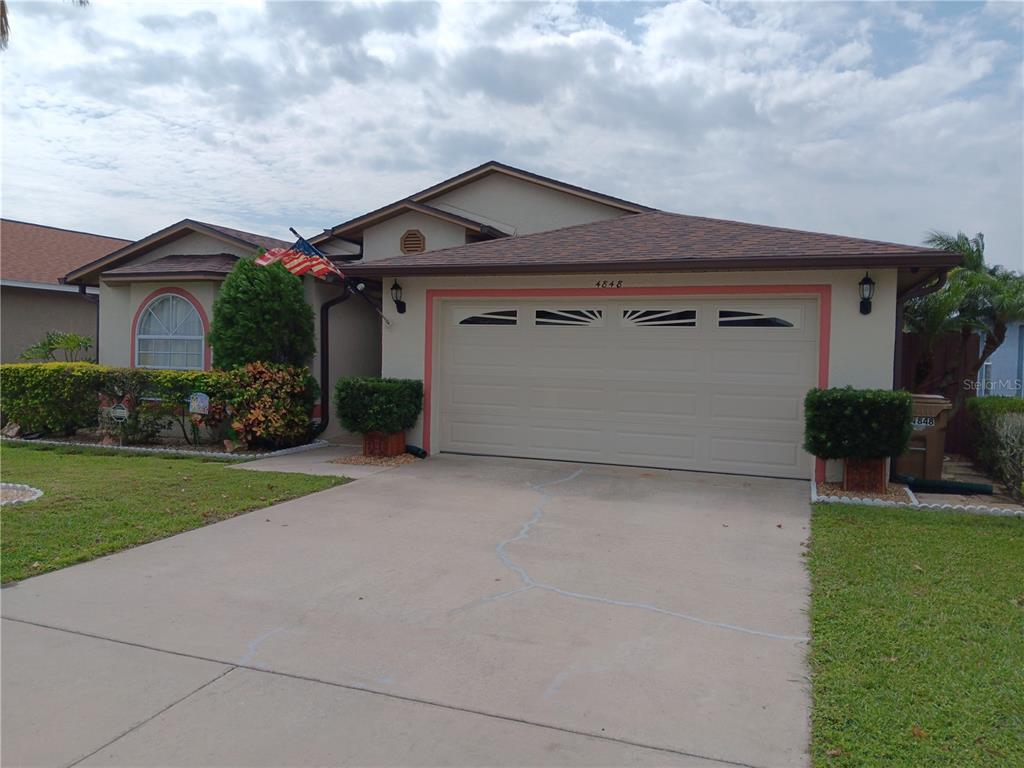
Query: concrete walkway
x,y
320,461
457,611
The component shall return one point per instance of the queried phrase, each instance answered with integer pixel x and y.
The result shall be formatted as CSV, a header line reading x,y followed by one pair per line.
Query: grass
x,y
96,502
917,620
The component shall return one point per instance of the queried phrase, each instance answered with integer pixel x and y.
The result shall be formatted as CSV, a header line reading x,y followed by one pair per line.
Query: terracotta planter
x,y
383,444
865,475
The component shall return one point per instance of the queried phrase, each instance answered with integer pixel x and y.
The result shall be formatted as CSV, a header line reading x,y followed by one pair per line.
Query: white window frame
x,y
139,336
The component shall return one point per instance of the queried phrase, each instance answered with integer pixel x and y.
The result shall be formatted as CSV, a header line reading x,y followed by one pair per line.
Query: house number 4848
x,y
608,284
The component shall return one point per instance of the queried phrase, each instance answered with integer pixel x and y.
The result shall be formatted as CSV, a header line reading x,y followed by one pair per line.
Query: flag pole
x,y
352,286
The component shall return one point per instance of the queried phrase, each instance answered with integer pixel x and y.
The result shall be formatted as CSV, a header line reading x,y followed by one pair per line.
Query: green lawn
x,y
917,655
96,502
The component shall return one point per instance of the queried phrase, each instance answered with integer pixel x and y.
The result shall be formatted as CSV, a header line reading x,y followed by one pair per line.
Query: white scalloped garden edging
x,y
915,504
177,451
34,493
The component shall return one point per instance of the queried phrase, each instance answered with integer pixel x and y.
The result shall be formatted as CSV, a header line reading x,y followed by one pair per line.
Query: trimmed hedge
x,y
848,423
266,405
378,405
983,415
50,397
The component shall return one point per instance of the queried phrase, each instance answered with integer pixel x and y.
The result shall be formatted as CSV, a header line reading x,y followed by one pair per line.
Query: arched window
x,y
170,335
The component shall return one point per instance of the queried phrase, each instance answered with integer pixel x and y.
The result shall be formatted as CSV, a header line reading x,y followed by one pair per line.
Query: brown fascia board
x,y
143,277
493,166
846,261
353,227
160,237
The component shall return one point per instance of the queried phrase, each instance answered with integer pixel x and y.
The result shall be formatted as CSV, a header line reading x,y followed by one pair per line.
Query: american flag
x,y
300,258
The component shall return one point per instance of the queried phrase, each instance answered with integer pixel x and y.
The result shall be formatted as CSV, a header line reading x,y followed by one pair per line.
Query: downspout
x,y
93,300
914,292
325,357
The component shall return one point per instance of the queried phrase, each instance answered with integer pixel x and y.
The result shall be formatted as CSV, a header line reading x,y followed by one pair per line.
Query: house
x,y
157,295
552,321
1003,373
33,260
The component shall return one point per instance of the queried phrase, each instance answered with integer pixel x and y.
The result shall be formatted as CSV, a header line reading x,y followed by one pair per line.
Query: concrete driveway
x,y
458,611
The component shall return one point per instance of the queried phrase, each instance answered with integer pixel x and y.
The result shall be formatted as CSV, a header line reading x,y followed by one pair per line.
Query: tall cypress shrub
x,y
261,315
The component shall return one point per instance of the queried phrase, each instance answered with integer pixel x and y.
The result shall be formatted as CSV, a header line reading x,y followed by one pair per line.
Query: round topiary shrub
x,y
261,315
366,405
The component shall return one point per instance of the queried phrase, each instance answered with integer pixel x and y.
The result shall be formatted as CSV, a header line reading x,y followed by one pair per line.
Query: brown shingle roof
x,y
36,253
263,241
204,264
88,273
657,241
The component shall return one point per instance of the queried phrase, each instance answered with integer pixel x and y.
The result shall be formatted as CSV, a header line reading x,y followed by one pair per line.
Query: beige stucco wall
x,y
119,303
511,205
192,244
521,207
27,314
354,346
861,346
384,240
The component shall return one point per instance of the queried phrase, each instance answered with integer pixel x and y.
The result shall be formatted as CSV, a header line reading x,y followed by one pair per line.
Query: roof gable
x,y
36,253
493,166
421,202
234,238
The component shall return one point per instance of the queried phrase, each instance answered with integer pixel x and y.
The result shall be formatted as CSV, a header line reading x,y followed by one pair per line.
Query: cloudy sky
x,y
878,120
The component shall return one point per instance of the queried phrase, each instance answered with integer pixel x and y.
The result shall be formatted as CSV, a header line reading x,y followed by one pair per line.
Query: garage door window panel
x,y
493,317
741,318
659,318
569,317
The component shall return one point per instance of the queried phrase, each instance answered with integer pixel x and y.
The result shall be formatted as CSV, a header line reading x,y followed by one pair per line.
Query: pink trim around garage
x,y
207,352
823,292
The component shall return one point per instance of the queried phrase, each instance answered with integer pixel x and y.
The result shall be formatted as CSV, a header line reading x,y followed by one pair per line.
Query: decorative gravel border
x,y
177,451
35,493
915,504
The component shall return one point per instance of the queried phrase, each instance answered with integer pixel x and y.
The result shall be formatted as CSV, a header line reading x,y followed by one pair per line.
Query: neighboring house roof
x,y
216,264
36,253
90,273
658,241
352,228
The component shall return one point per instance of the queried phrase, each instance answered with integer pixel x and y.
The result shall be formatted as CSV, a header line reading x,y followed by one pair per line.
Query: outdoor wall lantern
x,y
867,292
396,296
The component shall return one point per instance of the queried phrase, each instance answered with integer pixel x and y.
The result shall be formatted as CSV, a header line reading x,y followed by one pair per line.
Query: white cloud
x,y
869,119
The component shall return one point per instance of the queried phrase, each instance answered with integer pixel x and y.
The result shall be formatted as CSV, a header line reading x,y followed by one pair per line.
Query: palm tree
x,y
976,299
5,24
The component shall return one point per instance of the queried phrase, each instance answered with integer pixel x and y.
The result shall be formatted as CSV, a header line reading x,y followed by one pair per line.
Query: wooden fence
x,y
951,355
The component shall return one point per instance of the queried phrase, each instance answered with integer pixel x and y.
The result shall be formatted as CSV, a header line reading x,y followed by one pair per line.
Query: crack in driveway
x,y
530,583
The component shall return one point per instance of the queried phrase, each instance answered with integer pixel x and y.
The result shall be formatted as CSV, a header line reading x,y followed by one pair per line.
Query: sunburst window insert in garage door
x,y
497,317
575,317
642,318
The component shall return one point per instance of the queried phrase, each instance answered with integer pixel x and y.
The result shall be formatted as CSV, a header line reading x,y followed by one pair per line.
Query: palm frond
x,y
971,248
5,25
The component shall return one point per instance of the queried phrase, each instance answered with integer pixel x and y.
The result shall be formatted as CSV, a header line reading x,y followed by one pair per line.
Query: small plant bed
x,y
833,493
376,461
916,623
18,493
99,501
91,439
896,493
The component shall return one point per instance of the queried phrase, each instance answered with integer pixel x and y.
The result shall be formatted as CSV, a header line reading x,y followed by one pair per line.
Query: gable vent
x,y
413,241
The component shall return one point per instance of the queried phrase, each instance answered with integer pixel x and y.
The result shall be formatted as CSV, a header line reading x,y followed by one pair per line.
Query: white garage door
x,y
705,384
